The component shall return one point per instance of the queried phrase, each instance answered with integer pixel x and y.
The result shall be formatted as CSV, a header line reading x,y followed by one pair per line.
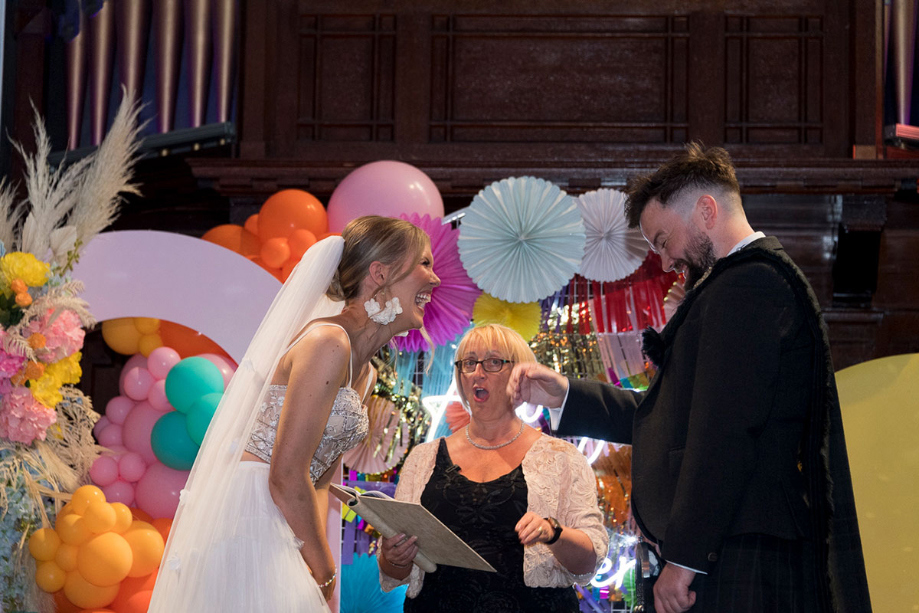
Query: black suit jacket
x,y
718,436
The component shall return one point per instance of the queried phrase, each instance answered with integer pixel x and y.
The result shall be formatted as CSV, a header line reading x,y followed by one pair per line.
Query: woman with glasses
x,y
525,501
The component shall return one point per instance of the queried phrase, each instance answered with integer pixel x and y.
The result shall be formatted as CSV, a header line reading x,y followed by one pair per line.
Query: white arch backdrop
x,y
189,281
145,273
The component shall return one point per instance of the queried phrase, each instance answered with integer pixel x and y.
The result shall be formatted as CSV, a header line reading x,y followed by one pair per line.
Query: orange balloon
x,y
275,252
72,529
138,603
147,343
66,557
84,594
123,517
84,495
49,576
121,335
300,240
43,545
63,605
100,516
147,547
105,560
139,515
188,342
235,238
287,269
288,210
251,224
131,586
163,525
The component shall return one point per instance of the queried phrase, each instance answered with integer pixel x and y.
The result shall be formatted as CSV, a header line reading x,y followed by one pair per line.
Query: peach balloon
x,y
66,556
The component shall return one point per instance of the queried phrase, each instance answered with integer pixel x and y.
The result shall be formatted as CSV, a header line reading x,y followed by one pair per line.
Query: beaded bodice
x,y
347,426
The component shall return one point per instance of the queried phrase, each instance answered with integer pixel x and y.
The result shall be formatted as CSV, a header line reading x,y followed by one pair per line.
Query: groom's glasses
x,y
488,364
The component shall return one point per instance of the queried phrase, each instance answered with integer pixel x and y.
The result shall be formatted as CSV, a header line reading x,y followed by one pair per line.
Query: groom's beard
x,y
700,257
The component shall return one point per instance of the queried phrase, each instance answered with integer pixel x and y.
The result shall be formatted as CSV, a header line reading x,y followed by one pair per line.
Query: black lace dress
x,y
483,515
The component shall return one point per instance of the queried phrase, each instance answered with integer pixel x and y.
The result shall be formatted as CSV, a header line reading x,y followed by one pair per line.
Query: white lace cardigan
x,y
560,483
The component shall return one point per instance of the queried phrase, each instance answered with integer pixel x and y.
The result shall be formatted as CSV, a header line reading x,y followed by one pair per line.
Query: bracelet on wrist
x,y
331,579
391,563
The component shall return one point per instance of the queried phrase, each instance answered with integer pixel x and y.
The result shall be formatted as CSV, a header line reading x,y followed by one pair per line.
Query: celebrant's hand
x,y
399,551
532,529
536,384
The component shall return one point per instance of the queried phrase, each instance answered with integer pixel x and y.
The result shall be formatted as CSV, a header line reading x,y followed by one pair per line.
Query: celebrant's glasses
x,y
488,364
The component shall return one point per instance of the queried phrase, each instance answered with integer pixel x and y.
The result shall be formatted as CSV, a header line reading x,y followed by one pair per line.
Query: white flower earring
x,y
383,316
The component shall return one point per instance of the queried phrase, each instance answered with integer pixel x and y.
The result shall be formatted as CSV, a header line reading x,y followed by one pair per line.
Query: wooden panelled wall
x,y
586,93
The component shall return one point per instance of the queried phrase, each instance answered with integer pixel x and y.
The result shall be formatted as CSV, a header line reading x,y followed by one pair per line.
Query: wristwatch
x,y
555,526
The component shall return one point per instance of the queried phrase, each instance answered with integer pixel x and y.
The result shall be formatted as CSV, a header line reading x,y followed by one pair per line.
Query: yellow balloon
x,y
147,325
43,544
880,410
67,509
105,559
85,595
147,545
123,517
72,529
49,576
83,496
121,335
149,342
66,557
99,516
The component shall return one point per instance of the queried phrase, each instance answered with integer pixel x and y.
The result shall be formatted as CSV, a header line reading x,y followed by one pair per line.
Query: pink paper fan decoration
x,y
381,450
450,309
456,416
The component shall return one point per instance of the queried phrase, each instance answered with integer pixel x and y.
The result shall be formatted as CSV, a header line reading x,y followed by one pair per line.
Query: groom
x,y
738,437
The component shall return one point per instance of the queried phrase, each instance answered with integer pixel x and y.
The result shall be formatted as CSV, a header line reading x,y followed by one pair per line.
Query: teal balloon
x,y
200,414
191,379
171,444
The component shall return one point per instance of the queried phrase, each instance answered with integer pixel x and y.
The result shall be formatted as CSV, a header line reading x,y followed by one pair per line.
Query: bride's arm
x,y
318,366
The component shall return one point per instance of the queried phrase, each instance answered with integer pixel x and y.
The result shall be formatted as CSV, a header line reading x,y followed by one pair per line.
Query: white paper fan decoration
x,y
522,239
612,251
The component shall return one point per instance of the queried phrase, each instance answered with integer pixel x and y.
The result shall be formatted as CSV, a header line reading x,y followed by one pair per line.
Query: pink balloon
x,y
137,429
157,396
118,408
161,360
119,491
157,492
135,361
104,470
101,425
132,467
137,383
112,435
386,188
226,367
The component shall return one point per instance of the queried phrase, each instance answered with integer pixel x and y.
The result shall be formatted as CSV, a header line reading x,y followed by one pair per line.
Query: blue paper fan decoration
x,y
360,588
521,239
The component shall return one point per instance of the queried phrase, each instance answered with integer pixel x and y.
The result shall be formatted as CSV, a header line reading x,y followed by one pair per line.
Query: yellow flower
x,y
68,370
47,389
25,266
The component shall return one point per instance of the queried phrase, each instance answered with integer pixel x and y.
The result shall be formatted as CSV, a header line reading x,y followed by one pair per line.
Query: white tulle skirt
x,y
254,567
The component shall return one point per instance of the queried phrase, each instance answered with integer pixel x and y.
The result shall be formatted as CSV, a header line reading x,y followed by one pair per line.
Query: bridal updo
x,y
375,239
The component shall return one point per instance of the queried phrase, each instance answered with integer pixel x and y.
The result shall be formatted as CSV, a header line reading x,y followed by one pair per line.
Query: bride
x,y
249,533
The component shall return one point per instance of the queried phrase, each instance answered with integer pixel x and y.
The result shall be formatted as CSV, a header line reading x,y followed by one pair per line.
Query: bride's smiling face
x,y
414,291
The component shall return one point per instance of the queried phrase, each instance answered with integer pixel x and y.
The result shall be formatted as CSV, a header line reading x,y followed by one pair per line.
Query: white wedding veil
x,y
197,524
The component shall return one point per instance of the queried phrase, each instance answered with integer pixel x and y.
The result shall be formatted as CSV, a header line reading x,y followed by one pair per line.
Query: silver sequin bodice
x,y
347,426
